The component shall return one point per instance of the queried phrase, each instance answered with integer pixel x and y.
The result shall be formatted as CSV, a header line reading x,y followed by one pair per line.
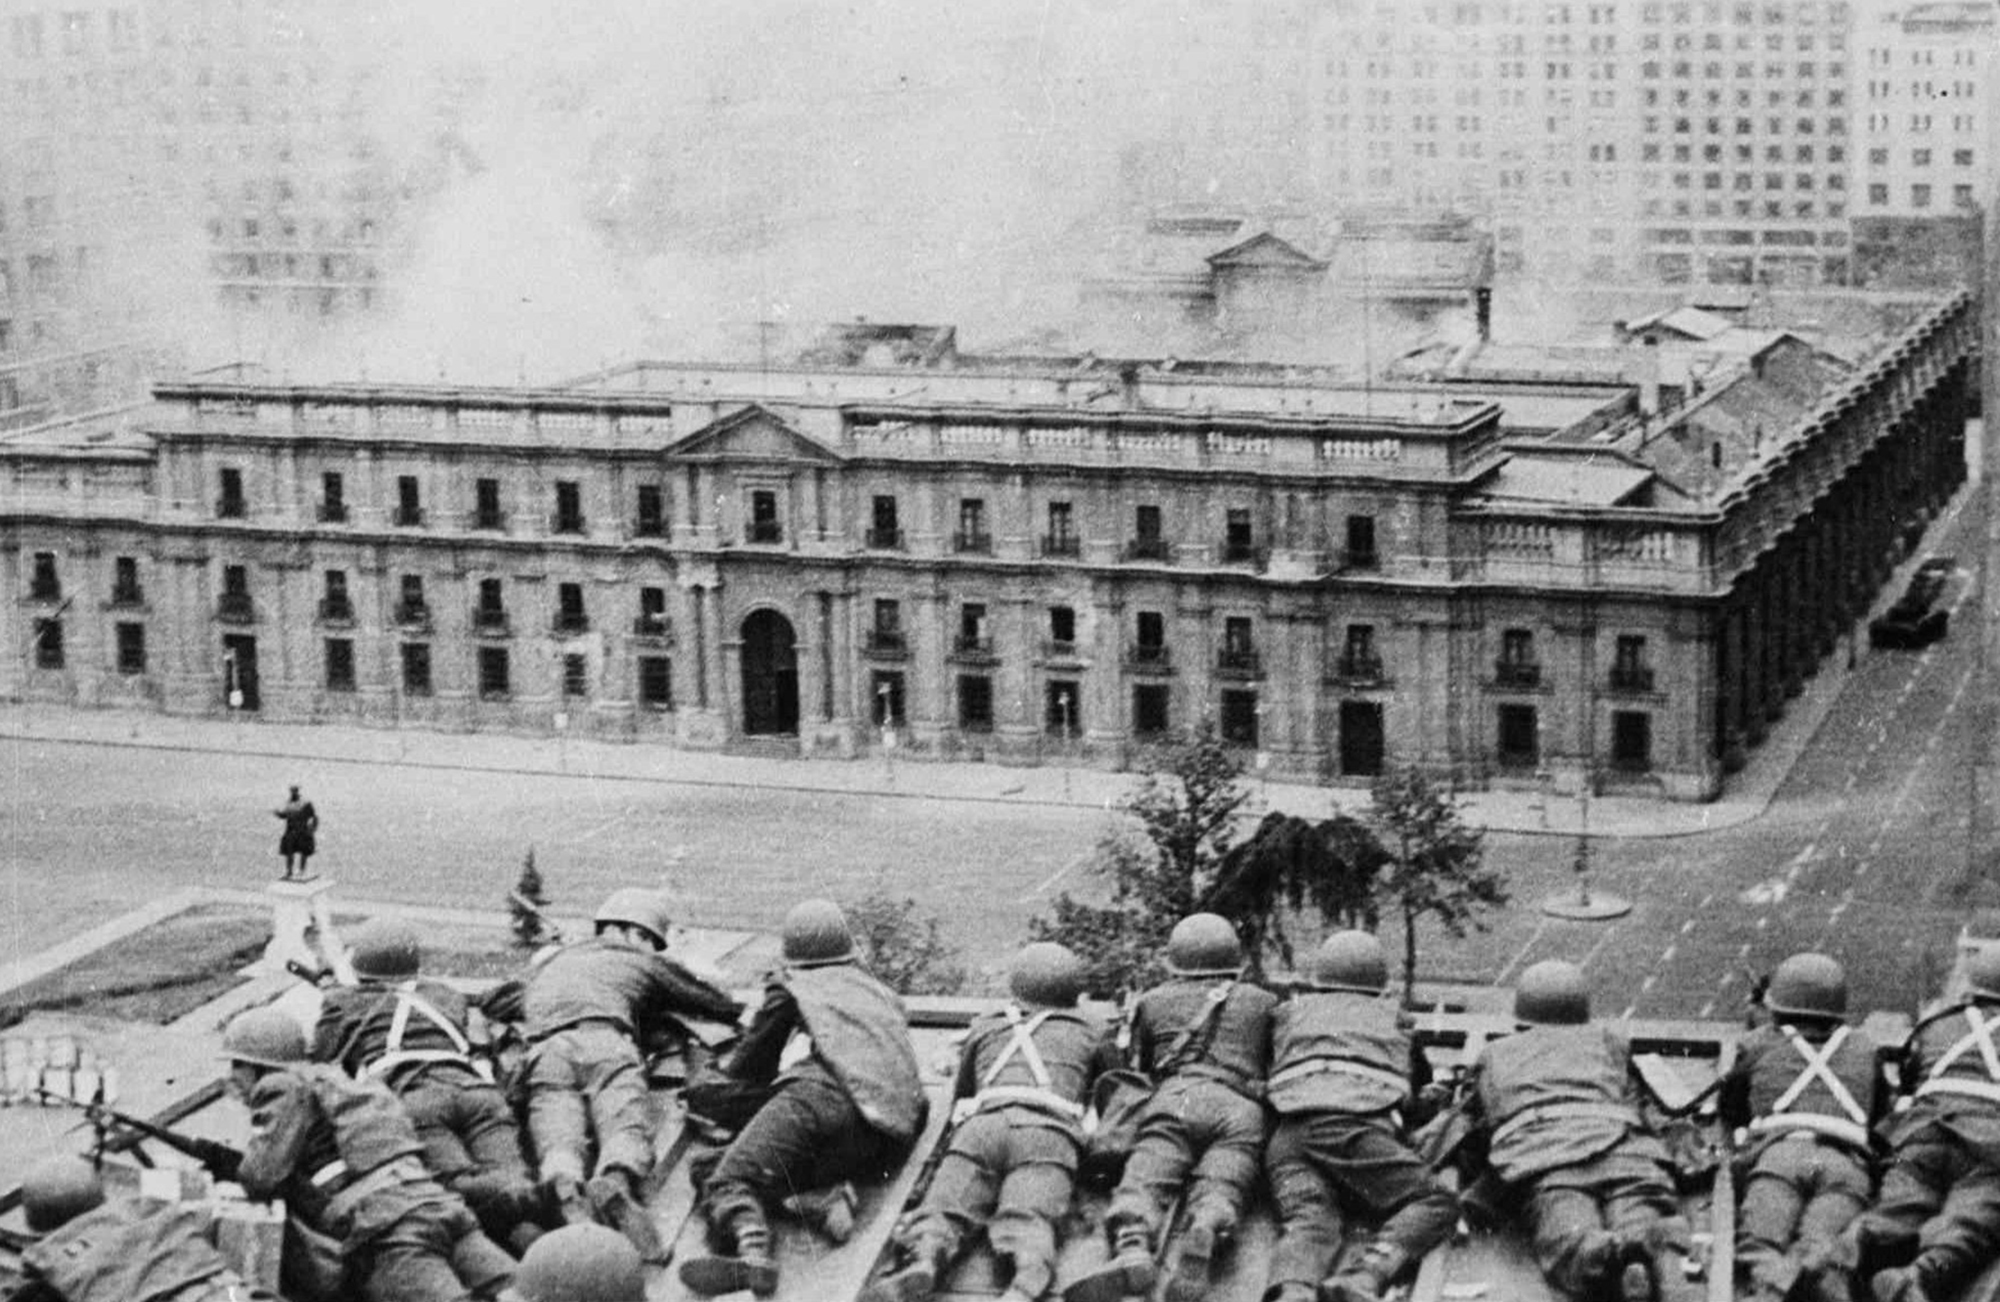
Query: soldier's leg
x,y
1839,1192
558,1120
408,1263
1154,1172
1571,1244
1033,1198
1653,1237
615,1088
1913,1189
1371,1160
1964,1237
1767,1221
1227,1130
480,1263
1309,1227
959,1199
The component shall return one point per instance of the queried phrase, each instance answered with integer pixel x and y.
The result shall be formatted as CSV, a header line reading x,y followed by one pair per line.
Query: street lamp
x,y
1263,756
885,706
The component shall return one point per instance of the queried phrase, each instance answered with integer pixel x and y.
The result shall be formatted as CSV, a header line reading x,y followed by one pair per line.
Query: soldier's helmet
x,y
1046,974
1808,985
1204,944
387,950
269,1037
816,934
1982,971
580,1263
1552,993
638,907
59,1190
1350,960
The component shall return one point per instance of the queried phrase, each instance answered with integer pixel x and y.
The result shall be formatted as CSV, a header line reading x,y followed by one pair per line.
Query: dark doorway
x,y
239,671
1360,738
770,675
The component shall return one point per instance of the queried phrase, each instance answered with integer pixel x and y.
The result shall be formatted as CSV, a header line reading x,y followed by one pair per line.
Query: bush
x,y
906,950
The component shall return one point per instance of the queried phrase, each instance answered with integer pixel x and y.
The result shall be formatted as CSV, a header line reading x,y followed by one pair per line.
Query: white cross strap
x,y
1979,1038
395,1055
1851,1128
1020,1042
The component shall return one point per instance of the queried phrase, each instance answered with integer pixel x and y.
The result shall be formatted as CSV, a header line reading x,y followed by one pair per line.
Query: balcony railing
x,y
1239,552
230,508
653,626
649,527
235,608
1147,657
1239,662
487,521
973,648
1061,544
1631,678
336,610
570,621
1056,648
560,523
332,513
885,540
978,541
1517,673
1361,560
489,619
765,531
1149,549
1360,667
413,614
887,643
127,598
408,517
45,592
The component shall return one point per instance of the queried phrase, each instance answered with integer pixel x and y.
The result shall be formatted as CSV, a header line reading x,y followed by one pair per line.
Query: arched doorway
x,y
770,675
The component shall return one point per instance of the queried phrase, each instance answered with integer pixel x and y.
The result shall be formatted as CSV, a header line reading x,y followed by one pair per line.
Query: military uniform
x,y
349,1165
130,1251
1940,1197
411,1036
1344,1070
583,1010
1010,1164
1560,1112
1804,1095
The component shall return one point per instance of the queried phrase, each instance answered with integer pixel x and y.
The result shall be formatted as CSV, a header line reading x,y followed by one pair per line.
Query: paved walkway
x,y
1748,793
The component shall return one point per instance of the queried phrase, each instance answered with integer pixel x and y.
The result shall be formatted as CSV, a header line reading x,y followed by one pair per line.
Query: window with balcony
x,y
489,615
885,635
410,606
656,682
1149,541
339,664
332,498
409,503
48,643
570,614
975,703
1062,631
652,621
495,673
1360,661
1516,666
416,668
569,507
1361,554
1519,741
1062,716
972,535
1239,718
1629,670
1631,741
1151,716
125,589
334,603
1239,544
486,513
1061,539
884,533
1149,646
886,693
235,606
975,634
230,505
651,520
576,676
43,585
764,526
1239,650
131,649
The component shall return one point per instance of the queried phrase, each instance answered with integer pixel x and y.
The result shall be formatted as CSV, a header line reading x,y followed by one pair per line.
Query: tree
x,y
1290,864
907,952
1436,863
1185,807
527,904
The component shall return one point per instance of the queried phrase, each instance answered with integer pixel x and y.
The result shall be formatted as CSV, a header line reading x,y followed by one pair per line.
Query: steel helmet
x,y
1350,960
638,907
1046,974
270,1037
1808,985
59,1190
1204,944
581,1263
816,934
1982,971
1552,993
387,950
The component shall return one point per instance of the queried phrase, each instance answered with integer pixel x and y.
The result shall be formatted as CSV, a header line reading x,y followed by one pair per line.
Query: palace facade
x,y
1021,563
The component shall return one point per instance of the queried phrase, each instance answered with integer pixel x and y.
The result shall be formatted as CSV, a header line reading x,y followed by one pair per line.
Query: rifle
x,y
221,1160
321,977
551,933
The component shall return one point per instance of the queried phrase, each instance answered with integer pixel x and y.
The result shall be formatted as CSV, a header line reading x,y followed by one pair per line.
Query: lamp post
x,y
1263,756
885,706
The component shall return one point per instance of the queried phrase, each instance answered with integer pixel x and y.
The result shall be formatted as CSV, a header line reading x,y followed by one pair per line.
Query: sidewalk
x,y
1748,793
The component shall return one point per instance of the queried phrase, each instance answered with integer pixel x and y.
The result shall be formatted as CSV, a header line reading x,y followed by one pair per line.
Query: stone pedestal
x,y
299,907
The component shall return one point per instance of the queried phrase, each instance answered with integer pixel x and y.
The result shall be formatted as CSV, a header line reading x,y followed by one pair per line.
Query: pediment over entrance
x,y
752,433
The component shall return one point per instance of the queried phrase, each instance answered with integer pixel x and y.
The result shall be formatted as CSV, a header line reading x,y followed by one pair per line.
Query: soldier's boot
x,y
1205,1235
749,1267
565,1195
917,1278
1365,1278
829,1211
1131,1272
614,1197
1899,1284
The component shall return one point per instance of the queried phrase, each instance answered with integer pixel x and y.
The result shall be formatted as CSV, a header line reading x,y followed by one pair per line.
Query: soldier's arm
x,y
281,1117
503,1003
330,1033
756,1055
966,1084
678,992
